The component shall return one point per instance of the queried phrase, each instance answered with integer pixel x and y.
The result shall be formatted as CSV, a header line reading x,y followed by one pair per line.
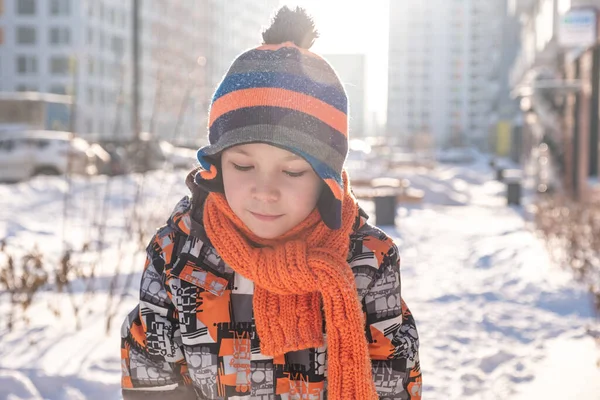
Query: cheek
x,y
236,188
304,193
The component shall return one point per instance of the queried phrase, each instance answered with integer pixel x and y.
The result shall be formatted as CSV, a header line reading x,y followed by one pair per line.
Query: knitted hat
x,y
284,95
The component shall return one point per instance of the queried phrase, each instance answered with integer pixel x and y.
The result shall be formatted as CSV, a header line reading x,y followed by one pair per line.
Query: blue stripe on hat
x,y
323,170
301,84
200,155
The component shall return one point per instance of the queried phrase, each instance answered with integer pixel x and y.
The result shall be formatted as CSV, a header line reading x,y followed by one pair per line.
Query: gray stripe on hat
x,y
279,136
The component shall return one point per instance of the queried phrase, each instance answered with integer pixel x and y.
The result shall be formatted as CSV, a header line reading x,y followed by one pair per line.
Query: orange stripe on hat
x,y
276,97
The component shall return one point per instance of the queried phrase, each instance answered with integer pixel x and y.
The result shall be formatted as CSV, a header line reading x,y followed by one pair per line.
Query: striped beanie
x,y
282,94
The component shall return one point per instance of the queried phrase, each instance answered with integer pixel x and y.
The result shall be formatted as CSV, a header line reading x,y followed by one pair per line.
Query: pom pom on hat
x,y
294,26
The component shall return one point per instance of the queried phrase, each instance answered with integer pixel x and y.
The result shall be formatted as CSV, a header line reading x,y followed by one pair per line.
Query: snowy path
x,y
496,319
492,311
486,300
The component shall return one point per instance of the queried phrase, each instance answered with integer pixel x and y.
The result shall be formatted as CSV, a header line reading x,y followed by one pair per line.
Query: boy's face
x,y
270,189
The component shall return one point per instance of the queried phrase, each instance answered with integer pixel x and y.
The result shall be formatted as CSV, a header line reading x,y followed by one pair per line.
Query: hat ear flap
x,y
209,177
330,208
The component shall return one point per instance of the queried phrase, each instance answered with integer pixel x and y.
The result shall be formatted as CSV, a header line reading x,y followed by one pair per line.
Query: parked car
x,y
145,154
110,159
24,154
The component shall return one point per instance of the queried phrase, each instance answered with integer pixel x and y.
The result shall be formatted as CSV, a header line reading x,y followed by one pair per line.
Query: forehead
x,y
262,151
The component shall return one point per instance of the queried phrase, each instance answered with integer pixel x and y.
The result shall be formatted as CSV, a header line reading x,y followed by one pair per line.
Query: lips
x,y
265,217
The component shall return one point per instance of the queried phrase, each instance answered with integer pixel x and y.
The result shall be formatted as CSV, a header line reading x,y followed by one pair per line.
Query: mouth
x,y
265,217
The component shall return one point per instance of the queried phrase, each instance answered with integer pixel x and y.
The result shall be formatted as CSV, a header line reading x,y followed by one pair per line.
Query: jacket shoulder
x,y
372,252
166,239
371,243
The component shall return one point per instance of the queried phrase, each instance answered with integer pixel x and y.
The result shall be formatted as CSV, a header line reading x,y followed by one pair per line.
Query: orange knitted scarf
x,y
293,274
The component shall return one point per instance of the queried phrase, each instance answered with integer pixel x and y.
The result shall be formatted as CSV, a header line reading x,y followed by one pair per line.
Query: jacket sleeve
x,y
152,360
392,334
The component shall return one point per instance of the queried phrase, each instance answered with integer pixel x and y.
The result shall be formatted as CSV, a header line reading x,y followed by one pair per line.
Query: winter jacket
x,y
192,336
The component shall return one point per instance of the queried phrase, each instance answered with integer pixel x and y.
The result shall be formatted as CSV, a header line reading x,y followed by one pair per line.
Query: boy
x,y
268,283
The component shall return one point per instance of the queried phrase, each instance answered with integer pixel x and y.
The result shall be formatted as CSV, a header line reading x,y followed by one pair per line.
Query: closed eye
x,y
294,174
241,167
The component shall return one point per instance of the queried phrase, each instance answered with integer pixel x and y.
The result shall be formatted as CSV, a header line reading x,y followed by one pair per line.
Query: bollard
x,y
500,174
385,209
513,193
385,197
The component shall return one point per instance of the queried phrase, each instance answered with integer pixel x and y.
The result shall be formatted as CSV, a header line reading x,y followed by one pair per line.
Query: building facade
x,y
68,47
443,58
237,26
351,69
84,48
556,77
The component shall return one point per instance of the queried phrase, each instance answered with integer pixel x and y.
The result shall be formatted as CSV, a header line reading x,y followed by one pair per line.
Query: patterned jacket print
x,y
192,336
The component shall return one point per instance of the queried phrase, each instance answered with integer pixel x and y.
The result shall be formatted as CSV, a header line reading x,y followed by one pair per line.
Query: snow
x,y
496,318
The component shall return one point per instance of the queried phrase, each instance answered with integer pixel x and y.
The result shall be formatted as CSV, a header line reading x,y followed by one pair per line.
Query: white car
x,y
24,154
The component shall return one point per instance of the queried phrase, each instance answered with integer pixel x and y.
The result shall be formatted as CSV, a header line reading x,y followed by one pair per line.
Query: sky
x,y
355,27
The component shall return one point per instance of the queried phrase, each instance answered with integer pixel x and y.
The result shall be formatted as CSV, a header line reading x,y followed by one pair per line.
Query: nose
x,y
266,190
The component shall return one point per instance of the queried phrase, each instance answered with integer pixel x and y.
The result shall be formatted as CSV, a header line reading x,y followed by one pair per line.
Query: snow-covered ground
x,y
496,319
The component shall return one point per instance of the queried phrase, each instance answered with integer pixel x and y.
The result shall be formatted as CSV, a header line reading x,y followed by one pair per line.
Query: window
x,y
25,7
112,70
6,145
101,40
91,66
90,35
90,95
60,7
60,36
117,45
59,65
26,65
40,143
54,7
58,89
26,35
100,68
23,87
